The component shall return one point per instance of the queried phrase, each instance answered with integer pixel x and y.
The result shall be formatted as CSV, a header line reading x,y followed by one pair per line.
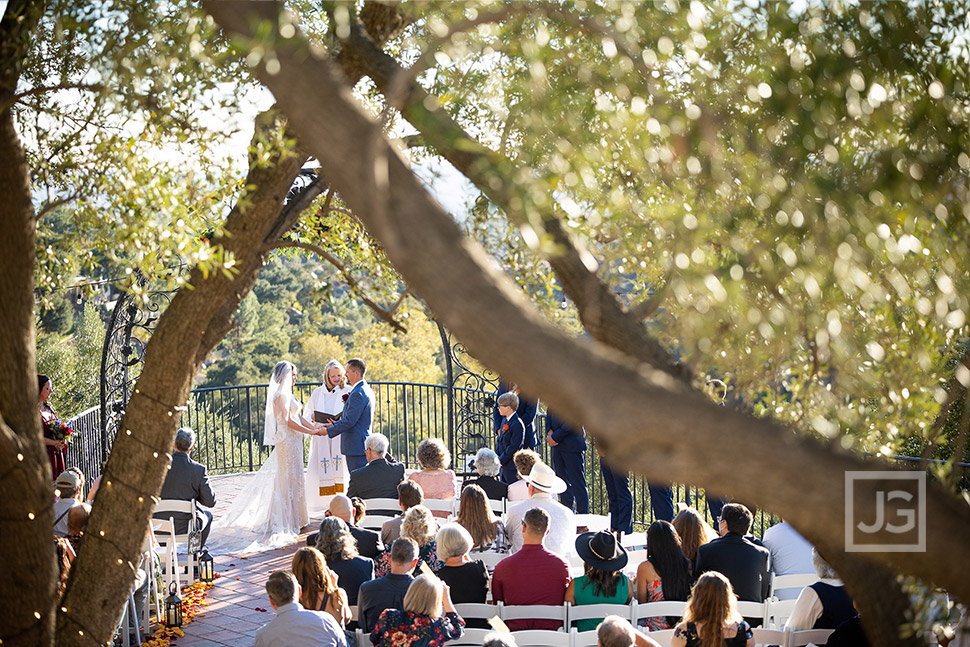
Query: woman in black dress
x,y
467,580
712,618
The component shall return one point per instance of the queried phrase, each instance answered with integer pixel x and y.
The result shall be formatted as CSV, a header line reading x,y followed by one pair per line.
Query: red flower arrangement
x,y
60,431
505,427
345,396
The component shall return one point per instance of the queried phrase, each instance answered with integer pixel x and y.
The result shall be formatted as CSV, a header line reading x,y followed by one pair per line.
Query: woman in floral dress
x,y
421,622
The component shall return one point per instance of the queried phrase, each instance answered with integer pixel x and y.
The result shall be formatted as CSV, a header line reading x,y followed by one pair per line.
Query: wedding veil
x,y
281,382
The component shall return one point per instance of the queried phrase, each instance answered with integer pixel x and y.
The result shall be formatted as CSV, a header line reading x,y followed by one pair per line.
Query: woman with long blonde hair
x,y
712,618
318,584
476,516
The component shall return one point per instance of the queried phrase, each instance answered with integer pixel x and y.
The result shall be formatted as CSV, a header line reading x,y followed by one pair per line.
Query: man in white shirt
x,y
791,554
295,626
543,484
68,487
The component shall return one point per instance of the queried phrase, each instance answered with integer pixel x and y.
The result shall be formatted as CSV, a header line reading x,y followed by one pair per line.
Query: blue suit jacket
x,y
568,438
527,414
355,424
510,441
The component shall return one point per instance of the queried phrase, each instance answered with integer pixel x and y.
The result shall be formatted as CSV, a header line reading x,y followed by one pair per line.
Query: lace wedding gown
x,y
271,509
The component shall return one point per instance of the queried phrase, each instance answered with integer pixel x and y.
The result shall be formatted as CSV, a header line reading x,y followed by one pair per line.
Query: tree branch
x,y
647,308
603,316
50,206
43,89
385,315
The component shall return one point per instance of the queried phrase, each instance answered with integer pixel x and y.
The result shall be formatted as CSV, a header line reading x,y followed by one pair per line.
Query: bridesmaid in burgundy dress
x,y
56,449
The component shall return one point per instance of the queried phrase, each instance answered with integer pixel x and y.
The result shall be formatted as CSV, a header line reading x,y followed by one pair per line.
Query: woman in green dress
x,y
604,581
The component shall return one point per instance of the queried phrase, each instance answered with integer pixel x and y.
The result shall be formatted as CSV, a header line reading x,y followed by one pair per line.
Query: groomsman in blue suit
x,y
511,434
526,410
620,497
358,417
568,460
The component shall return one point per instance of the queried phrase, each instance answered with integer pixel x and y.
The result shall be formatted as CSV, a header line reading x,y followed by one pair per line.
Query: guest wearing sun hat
x,y
603,582
543,485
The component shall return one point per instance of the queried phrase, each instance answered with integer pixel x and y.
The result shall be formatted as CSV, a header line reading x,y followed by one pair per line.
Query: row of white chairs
x,y
545,638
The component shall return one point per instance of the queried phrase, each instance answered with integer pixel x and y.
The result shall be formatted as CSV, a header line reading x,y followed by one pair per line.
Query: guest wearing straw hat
x,y
603,581
543,485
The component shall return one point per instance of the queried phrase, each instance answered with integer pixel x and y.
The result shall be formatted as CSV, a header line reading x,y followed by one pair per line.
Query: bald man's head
x,y
342,507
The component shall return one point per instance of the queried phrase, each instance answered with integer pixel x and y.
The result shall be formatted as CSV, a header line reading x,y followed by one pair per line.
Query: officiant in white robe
x,y
326,473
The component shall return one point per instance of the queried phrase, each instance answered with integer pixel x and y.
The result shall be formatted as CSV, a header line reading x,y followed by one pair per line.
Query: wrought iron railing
x,y
86,449
229,423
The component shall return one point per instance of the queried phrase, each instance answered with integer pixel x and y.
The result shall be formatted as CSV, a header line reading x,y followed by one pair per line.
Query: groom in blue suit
x,y
358,417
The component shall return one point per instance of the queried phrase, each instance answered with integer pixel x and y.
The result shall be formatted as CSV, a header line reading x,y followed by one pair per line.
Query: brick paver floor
x,y
231,619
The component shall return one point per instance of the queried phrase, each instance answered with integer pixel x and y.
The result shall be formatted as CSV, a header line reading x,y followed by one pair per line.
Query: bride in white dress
x,y
271,509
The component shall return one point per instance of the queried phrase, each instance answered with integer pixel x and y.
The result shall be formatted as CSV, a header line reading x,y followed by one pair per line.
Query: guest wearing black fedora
x,y
543,485
603,582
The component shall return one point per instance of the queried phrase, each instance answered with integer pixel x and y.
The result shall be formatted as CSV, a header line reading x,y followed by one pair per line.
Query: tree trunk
x,y
648,422
28,577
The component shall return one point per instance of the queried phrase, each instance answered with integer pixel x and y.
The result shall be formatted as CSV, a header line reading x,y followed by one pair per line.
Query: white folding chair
x,y
380,504
663,638
634,559
478,611
778,612
353,613
541,638
598,611
593,521
657,609
753,610
168,506
809,637
796,581
374,521
129,622
498,506
534,612
490,558
583,638
469,637
766,637
363,640
440,505
164,543
634,541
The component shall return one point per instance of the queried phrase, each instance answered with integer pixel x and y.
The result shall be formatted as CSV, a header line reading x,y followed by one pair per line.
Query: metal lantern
x,y
207,566
173,607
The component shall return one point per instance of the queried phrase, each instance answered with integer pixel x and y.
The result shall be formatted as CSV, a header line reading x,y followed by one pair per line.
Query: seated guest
x,y
293,625
712,616
409,494
65,557
339,548
603,581
615,631
488,468
435,479
380,477
421,622
791,554
848,634
68,486
744,564
524,459
420,526
369,542
665,575
318,585
824,604
533,575
496,639
693,531
187,480
543,484
388,592
467,580
475,514
77,522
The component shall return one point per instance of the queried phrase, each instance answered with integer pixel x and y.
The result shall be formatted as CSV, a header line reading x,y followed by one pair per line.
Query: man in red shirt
x,y
533,575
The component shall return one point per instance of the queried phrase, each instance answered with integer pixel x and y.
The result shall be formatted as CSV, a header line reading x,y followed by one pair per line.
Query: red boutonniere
x,y
505,427
345,396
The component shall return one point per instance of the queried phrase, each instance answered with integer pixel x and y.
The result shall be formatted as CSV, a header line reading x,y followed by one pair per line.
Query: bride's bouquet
x,y
60,431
